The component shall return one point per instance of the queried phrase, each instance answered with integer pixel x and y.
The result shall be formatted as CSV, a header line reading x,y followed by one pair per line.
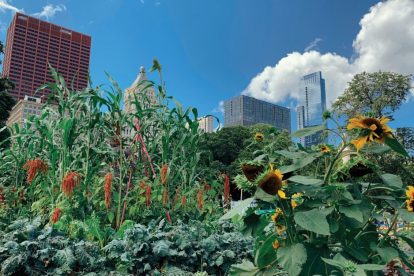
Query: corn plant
x,y
76,165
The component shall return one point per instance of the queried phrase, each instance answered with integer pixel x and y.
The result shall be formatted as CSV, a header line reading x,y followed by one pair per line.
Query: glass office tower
x,y
312,105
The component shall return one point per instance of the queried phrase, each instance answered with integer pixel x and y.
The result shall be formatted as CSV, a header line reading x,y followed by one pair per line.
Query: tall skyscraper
x,y
312,105
246,111
33,44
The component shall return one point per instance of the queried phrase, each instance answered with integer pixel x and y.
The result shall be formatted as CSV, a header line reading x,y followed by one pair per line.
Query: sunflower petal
x,y
281,194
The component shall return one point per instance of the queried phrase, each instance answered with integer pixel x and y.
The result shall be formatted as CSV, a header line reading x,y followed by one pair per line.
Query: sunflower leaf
x,y
396,146
308,131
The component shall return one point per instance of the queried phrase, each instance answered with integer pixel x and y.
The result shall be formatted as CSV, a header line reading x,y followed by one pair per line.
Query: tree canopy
x,y
379,93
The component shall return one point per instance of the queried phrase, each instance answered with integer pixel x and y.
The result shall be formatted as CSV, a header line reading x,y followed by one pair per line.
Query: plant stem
x,y
328,173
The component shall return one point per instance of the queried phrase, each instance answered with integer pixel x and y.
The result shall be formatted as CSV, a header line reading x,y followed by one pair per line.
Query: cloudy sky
x,y
214,50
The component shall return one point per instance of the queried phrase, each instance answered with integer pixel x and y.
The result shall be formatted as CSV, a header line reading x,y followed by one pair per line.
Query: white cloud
x,y
384,42
5,6
219,108
313,44
50,10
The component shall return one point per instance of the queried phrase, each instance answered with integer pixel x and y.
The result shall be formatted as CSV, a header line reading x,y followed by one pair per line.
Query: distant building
x,y
24,109
33,44
206,124
312,105
247,111
136,91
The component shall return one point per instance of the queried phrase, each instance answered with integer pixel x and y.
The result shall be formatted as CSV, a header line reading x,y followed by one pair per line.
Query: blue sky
x,y
214,50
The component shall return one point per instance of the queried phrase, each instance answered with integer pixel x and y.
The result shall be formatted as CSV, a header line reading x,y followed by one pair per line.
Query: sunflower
x,y
296,200
372,129
410,205
410,192
259,137
276,244
251,171
277,213
271,181
324,149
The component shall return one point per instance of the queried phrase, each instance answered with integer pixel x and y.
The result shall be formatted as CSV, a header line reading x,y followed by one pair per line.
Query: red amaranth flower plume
x,y
183,200
200,199
226,188
164,172
33,167
165,196
148,195
57,212
108,189
168,217
2,197
70,181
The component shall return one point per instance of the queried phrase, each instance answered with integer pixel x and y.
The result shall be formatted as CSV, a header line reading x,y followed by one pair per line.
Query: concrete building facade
x,y
29,106
247,111
206,124
33,44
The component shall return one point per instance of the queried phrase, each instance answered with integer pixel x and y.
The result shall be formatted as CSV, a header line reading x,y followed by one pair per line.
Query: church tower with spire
x,y
139,89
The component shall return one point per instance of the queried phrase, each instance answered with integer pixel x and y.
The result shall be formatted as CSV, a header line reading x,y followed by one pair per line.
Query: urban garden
x,y
80,197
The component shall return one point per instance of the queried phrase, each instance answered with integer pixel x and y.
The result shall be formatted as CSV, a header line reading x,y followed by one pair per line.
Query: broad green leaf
x,y
297,165
313,220
396,146
376,148
333,263
392,180
372,267
306,180
352,211
266,254
240,208
387,253
308,131
262,195
246,268
405,215
290,154
292,258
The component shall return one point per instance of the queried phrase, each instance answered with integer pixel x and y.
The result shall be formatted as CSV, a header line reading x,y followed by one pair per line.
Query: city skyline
x,y
236,52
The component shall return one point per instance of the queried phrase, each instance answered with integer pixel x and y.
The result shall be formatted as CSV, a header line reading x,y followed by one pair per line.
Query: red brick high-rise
x,y
33,44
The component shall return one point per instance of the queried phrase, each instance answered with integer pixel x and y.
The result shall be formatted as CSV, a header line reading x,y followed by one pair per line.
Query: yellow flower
x,y
281,194
276,244
277,213
325,149
410,205
374,130
259,137
280,229
410,192
271,181
296,199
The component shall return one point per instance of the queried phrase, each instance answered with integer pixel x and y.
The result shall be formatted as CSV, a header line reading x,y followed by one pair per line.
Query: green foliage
x,y
28,248
193,247
379,93
86,132
330,206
